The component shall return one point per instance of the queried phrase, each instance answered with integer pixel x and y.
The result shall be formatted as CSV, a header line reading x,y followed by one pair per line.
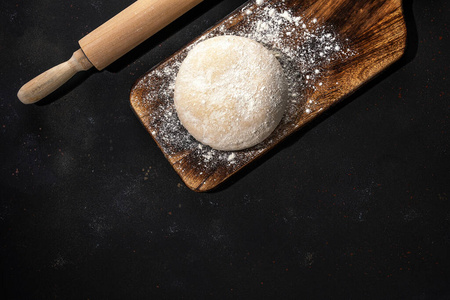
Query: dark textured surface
x,y
354,206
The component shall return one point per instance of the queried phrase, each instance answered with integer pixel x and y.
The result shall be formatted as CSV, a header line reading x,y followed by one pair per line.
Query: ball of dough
x,y
230,93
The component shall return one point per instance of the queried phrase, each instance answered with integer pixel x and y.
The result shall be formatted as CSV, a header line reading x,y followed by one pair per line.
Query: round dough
x,y
230,93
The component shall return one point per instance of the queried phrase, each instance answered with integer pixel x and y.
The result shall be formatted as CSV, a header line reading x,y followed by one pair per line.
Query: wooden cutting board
x,y
329,49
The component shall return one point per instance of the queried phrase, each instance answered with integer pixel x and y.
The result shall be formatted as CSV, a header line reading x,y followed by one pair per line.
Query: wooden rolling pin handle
x,y
107,43
46,83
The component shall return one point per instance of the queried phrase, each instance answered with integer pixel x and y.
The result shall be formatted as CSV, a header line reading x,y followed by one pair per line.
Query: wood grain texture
x,y
376,31
47,82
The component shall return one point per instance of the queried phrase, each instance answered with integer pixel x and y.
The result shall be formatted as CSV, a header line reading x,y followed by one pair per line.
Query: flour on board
x,y
278,28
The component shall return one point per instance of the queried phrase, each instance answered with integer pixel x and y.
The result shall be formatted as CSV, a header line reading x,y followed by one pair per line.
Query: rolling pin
x,y
107,43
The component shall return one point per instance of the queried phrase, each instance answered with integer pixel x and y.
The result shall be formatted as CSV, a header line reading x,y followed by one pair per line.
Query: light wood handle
x,y
46,83
130,27
108,42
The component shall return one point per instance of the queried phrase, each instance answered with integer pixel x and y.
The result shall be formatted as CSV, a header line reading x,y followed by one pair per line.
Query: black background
x,y
354,206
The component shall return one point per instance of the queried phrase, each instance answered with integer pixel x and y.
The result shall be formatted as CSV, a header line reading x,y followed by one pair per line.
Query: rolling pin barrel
x,y
131,27
107,43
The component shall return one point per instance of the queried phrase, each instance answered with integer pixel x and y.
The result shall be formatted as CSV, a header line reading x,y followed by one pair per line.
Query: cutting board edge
x,y
199,188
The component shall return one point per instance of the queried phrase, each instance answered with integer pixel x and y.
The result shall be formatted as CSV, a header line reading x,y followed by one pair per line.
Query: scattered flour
x,y
279,29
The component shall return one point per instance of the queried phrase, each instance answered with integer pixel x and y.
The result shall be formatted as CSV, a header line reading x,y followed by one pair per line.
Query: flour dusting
x,y
304,47
229,92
